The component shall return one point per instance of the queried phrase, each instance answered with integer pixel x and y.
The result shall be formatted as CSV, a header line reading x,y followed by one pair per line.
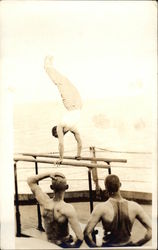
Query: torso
x,y
118,222
55,222
70,120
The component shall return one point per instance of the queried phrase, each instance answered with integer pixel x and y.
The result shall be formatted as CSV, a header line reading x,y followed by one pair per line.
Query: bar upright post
x,y
40,227
18,223
91,201
90,190
109,169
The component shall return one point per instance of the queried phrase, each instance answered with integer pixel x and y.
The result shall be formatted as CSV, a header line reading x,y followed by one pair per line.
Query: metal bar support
x,y
90,190
91,199
18,224
109,169
40,227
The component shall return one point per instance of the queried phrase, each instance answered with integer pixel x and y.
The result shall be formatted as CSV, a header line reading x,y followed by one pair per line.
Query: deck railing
x,y
25,157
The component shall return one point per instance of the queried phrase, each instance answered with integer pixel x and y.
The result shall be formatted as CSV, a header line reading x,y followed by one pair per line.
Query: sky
x,y
105,48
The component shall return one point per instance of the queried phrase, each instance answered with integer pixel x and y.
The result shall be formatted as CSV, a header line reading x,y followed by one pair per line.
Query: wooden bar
x,y
75,164
73,158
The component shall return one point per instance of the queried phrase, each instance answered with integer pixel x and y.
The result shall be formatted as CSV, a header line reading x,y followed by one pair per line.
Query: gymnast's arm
x,y
61,142
79,143
40,196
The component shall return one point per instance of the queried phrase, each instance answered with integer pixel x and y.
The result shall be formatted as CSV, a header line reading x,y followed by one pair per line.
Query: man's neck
x,y
59,196
116,196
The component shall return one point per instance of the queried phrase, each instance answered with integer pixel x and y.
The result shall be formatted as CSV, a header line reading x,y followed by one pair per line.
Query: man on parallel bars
x,y
73,104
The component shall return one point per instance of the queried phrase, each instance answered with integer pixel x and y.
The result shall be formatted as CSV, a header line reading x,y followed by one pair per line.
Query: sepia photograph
x,y
78,119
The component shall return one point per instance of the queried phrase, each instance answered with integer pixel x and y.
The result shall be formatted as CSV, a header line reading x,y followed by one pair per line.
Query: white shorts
x,y
71,118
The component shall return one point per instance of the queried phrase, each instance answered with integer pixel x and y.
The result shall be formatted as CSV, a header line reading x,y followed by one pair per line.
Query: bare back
x,y
55,221
109,214
57,214
117,217
56,217
116,222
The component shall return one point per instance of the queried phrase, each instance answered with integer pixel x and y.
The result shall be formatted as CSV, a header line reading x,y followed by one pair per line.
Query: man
x,y
73,104
57,214
117,216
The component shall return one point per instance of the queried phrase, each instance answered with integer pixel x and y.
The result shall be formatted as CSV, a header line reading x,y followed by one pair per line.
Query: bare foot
x,y
48,62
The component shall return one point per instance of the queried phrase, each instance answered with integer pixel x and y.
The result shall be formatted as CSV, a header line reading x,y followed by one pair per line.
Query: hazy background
x,y
107,49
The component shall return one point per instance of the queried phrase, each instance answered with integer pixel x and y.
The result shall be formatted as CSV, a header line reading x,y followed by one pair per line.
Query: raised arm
x,y
92,222
79,143
40,196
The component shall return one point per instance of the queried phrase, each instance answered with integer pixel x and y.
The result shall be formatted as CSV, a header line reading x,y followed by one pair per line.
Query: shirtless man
x,y
117,216
57,214
73,104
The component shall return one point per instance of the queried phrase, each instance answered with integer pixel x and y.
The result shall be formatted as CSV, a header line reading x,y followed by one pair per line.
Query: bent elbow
x,y
85,233
81,237
149,234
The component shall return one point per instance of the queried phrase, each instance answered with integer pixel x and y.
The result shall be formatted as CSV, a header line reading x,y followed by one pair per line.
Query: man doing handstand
x,y
73,104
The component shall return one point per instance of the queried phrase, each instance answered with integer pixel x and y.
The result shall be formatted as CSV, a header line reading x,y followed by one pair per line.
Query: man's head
x,y
54,131
58,182
112,183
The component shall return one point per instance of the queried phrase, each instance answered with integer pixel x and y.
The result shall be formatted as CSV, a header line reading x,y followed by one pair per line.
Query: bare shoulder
x,y
68,209
135,206
132,203
103,206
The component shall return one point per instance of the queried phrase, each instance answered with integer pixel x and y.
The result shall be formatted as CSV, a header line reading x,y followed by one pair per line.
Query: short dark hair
x,y
54,131
59,182
112,183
